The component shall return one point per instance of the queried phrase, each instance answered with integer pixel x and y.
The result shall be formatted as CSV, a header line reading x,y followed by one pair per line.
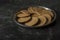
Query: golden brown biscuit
x,y
42,20
48,17
38,9
33,21
24,19
30,9
33,10
48,12
23,13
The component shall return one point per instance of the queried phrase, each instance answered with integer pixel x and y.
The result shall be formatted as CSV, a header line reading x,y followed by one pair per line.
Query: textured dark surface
x,y
9,30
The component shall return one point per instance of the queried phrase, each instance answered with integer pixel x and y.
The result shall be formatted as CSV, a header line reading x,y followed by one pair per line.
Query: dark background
x,y
9,30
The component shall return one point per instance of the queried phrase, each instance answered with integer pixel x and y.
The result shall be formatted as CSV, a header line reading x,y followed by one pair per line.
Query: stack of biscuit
x,y
34,16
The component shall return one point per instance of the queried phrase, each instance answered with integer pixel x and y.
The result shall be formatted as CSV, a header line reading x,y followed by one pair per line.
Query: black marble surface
x,y
9,30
